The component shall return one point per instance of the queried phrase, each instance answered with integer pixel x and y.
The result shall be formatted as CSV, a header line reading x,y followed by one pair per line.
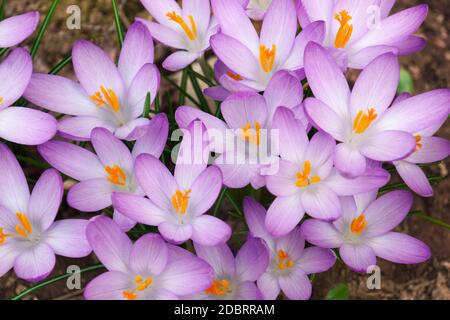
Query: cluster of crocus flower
x,y
288,122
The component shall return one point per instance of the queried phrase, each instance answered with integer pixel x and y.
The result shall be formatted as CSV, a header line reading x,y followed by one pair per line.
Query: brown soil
x,y
430,70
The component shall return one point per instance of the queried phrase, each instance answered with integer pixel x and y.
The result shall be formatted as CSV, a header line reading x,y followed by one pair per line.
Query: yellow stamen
x,y
363,120
419,145
129,295
303,179
106,98
358,224
190,32
267,57
284,261
23,228
1,99
345,30
218,288
141,286
3,236
180,201
253,136
116,175
234,76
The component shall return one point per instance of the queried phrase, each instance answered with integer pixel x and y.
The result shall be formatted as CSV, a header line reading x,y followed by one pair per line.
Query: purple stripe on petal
x,y
284,214
296,285
322,234
208,230
358,257
35,263
252,260
91,195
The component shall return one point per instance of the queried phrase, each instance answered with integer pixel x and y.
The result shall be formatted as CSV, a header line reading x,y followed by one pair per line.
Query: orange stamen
x,y
419,145
23,228
358,224
116,175
3,236
345,30
190,32
141,286
363,120
232,75
267,57
180,201
218,288
253,136
303,179
284,261
106,98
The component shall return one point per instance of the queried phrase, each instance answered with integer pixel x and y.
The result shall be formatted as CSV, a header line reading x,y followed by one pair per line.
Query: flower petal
x,y
164,34
108,286
15,29
80,128
205,190
179,60
325,118
269,287
296,285
35,263
321,203
284,214
282,183
433,149
252,260
255,215
371,180
358,257
314,260
349,160
244,107
174,232
388,145
414,177
219,257
155,138
146,81
322,234
210,231
91,195
149,255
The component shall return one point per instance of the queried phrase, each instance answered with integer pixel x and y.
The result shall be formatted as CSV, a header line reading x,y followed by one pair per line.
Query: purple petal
x,y
282,183
91,195
252,260
8,254
205,190
17,68
132,130
244,107
400,248
15,29
255,215
296,285
410,45
164,34
362,58
388,145
210,231
321,203
108,286
137,51
433,149
146,81
179,60
80,128
284,214
246,290
154,140
314,260
371,180
110,244
358,257
72,160
26,126
269,287
293,244
320,149
68,238
322,234
149,255
219,257
45,199
325,118
125,224
349,160
235,176
414,177
387,212
138,208
35,263
175,232
14,192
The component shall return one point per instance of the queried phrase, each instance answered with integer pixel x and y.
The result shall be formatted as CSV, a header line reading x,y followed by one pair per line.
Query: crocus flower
x,y
256,9
248,117
29,236
234,278
306,180
17,124
15,29
149,269
253,59
110,169
108,96
360,119
364,232
188,29
358,31
429,149
290,261
177,203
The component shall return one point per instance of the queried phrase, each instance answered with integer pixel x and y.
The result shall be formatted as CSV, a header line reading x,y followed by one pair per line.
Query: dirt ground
x,y
430,70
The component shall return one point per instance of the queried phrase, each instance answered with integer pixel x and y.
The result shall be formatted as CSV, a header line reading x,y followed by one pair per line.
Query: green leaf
x,y
43,27
338,293
147,105
406,82
119,29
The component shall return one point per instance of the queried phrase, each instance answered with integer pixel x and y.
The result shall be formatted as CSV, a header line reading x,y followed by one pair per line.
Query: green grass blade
x,y
56,69
435,221
2,9
43,28
184,79
119,29
148,101
198,91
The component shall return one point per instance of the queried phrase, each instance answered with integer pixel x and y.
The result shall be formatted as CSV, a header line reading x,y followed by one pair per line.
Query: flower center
x,y
116,175
284,261
180,201
108,98
363,120
419,144
219,287
303,179
358,224
23,228
252,135
267,57
141,285
191,32
345,30
232,75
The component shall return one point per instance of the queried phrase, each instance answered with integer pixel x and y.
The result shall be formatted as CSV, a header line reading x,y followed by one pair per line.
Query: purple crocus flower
x,y
15,29
256,9
149,269
306,180
108,96
253,59
290,261
110,169
188,29
29,236
360,119
429,149
17,124
234,278
358,31
248,117
177,203
364,232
